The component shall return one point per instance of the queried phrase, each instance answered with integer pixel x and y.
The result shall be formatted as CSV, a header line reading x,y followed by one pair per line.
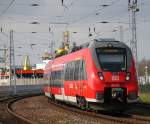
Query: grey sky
x,y
75,16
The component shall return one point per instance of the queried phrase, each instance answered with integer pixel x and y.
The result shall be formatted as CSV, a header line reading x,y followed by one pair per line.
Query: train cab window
x,y
112,59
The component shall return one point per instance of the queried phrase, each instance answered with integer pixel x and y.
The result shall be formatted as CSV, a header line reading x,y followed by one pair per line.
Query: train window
x,y
83,74
56,78
75,70
56,75
113,59
69,71
71,74
66,72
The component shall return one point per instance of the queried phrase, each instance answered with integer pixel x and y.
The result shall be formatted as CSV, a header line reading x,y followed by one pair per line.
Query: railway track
x,y
141,107
144,105
21,118
114,117
106,117
6,115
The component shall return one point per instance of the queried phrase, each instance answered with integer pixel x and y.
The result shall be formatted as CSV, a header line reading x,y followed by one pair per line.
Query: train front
x,y
116,72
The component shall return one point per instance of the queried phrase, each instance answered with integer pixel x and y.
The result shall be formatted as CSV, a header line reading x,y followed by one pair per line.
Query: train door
x,y
82,77
77,77
62,81
50,83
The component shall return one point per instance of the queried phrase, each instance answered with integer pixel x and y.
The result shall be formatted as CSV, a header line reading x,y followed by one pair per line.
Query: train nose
x,y
114,95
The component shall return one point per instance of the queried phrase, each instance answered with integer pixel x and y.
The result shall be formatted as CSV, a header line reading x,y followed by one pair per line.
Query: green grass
x,y
145,97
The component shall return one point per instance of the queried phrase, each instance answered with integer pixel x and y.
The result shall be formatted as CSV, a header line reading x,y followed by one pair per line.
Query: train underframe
x,y
112,99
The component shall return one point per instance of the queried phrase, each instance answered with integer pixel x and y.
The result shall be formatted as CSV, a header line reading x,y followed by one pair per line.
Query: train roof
x,y
98,43
107,43
102,42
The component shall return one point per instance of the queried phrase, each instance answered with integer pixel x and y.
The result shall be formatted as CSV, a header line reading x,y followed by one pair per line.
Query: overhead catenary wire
x,y
5,10
64,18
95,11
145,3
71,4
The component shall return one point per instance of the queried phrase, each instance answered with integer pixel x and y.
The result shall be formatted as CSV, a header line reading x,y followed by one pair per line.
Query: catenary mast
x,y
132,6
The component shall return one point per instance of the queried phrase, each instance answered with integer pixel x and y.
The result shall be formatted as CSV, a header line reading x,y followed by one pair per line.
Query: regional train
x,y
99,72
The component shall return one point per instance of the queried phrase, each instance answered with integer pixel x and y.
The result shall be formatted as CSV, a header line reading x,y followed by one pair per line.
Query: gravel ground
x,y
39,110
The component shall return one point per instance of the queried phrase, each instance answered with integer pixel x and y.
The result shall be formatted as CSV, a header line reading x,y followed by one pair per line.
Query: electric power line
x,y
95,11
5,10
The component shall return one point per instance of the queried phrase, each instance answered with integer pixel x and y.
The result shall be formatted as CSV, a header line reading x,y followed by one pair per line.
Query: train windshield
x,y
112,59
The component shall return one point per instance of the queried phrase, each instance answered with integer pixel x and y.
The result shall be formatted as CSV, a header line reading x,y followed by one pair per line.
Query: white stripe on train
x,y
72,98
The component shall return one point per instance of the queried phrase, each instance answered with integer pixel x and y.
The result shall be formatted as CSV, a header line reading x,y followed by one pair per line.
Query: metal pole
x,y
146,74
121,33
51,52
14,70
10,60
132,4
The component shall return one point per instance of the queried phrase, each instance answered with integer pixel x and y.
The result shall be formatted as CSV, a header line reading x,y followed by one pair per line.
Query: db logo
x,y
115,78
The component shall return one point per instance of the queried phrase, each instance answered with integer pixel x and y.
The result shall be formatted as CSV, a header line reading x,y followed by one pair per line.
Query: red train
x,y
97,73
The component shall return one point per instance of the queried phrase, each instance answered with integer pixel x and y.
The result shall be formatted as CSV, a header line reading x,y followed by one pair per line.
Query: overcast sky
x,y
74,16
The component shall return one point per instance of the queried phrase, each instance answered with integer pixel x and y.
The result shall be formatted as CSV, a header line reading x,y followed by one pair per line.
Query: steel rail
x,y
126,118
132,119
19,117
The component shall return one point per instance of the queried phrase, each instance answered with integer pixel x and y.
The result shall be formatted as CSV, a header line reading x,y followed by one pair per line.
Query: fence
x,y
22,85
37,84
145,88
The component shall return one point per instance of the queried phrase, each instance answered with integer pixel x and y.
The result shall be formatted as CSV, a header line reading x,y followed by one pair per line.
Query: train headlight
x,y
128,75
101,77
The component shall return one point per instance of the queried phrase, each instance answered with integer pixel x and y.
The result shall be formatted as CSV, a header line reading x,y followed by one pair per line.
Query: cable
x,y
72,3
95,11
144,3
5,10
